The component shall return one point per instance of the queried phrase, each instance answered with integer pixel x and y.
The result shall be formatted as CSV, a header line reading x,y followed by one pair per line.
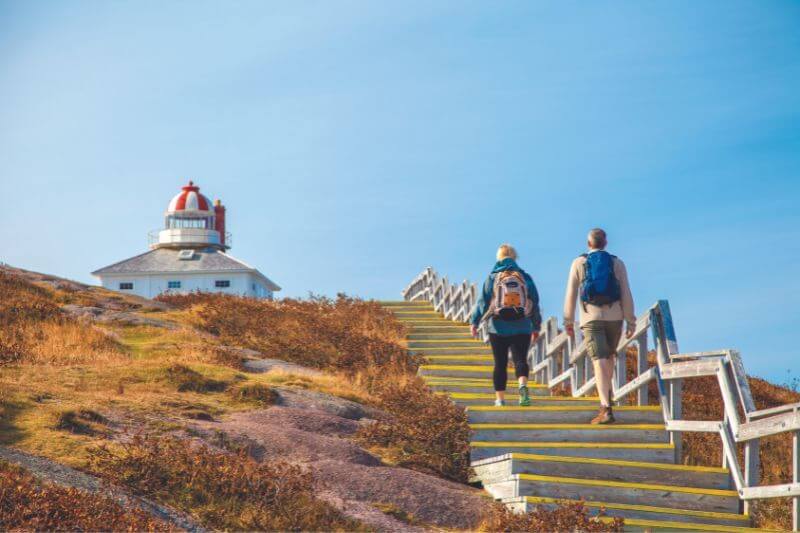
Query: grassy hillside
x,y
115,386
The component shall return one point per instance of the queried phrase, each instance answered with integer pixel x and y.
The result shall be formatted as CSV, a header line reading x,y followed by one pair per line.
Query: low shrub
x,y
187,380
82,422
224,490
425,431
29,505
566,517
256,393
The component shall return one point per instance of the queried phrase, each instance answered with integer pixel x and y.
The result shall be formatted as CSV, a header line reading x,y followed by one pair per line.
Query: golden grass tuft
x,y
226,491
26,504
566,517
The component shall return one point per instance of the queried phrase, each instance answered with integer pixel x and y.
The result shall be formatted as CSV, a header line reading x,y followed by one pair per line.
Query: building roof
x,y
167,261
189,199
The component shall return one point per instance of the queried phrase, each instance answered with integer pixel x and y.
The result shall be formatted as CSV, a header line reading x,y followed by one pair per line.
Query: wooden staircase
x,y
548,452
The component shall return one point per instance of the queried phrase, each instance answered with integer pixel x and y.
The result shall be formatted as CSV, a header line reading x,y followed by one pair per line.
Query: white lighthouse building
x,y
189,254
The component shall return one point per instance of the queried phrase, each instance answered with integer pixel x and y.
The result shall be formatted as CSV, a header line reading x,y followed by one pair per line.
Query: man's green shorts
x,y
602,337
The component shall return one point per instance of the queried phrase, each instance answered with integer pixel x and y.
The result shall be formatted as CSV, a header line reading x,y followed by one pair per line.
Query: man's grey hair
x,y
597,238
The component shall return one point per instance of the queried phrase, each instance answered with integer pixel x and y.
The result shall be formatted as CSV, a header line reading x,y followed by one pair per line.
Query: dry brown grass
x,y
363,343
565,517
226,491
27,504
34,330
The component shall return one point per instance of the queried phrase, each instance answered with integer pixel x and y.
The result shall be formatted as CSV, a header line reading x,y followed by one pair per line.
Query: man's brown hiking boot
x,y
604,416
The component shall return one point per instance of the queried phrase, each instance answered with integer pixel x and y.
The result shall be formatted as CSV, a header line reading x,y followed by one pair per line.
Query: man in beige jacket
x,y
601,324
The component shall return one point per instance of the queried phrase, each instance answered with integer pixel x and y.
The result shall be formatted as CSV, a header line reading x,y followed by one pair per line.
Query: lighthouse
x,y
189,254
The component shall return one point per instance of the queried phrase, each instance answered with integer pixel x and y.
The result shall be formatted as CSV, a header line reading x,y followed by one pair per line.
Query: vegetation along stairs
x,y
548,452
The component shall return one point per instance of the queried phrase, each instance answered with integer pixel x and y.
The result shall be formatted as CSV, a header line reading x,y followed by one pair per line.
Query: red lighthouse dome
x,y
189,199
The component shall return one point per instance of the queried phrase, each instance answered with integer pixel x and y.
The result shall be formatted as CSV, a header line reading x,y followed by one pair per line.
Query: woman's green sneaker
x,y
524,398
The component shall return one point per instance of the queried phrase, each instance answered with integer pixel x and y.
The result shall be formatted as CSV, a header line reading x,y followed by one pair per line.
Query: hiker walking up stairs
x,y
548,452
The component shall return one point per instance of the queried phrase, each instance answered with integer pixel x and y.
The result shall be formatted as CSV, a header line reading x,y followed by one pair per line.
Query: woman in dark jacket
x,y
508,332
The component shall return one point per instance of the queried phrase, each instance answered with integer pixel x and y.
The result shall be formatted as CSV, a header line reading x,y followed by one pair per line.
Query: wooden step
x,y
633,451
450,328
649,526
504,466
472,399
478,386
456,371
446,343
654,433
636,512
476,349
418,315
461,360
422,322
464,334
676,497
575,414
404,303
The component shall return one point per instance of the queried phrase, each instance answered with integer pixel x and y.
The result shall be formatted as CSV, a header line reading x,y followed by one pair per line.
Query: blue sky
x,y
355,143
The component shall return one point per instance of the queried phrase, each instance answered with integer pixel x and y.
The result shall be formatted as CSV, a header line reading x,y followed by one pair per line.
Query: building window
x,y
126,286
173,284
222,283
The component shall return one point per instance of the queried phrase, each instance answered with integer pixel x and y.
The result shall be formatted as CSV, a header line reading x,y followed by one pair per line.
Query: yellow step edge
x,y
545,444
466,357
436,351
489,396
587,427
509,395
626,485
449,324
485,369
628,408
441,341
689,526
534,500
414,324
483,357
617,462
485,384
461,378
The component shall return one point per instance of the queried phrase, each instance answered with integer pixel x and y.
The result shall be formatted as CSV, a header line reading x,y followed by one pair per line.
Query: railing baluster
x,y
752,468
641,365
796,479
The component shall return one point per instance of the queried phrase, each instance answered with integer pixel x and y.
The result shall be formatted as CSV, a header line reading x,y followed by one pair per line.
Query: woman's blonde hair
x,y
506,250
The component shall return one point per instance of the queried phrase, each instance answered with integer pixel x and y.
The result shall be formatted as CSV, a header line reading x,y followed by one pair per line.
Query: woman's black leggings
x,y
519,345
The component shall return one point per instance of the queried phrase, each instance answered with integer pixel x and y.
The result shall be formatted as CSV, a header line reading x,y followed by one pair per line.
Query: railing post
x,y
621,370
666,345
796,479
752,468
641,366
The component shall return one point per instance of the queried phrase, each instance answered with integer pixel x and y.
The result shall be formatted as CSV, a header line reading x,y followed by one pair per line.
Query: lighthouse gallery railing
x,y
557,359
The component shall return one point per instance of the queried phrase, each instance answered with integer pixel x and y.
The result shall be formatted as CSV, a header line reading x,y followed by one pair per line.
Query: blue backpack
x,y
600,285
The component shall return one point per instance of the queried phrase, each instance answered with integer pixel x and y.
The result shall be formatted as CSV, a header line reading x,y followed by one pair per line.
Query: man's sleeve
x,y
626,298
480,306
571,294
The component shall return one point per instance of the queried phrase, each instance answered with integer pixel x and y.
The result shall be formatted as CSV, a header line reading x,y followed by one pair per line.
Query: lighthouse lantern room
x,y
189,254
